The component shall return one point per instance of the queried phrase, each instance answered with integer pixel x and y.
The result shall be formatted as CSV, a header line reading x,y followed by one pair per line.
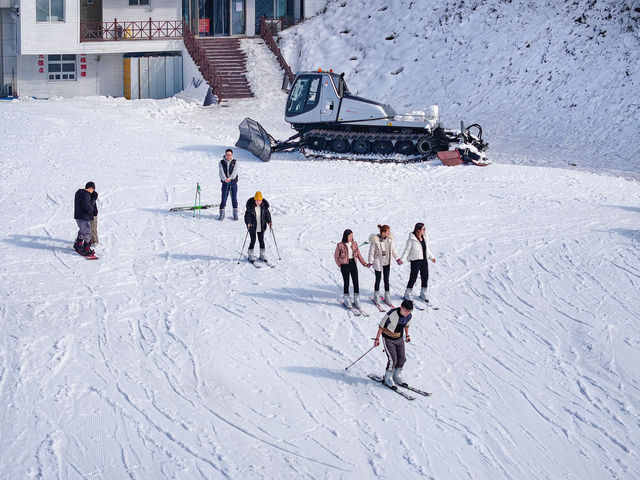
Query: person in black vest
x,y
228,170
257,217
83,214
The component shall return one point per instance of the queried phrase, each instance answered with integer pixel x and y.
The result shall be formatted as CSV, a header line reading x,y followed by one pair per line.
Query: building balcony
x,y
134,30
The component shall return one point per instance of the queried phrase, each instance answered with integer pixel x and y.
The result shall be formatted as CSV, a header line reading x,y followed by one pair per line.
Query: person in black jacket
x,y
83,214
257,217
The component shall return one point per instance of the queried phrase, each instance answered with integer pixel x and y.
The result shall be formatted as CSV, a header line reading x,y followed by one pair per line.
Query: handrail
x,y
136,30
267,35
199,56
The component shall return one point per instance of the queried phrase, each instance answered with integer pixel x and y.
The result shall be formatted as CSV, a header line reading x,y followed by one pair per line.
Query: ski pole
x,y
243,244
197,202
346,368
276,243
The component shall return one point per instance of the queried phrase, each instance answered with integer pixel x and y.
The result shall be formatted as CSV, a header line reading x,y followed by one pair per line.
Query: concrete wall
x,y
64,37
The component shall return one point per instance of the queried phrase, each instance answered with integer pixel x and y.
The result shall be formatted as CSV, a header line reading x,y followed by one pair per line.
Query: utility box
x,y
450,158
152,76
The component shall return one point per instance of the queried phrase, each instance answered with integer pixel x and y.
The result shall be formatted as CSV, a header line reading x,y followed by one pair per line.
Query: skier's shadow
x,y
40,243
188,214
330,373
188,256
300,295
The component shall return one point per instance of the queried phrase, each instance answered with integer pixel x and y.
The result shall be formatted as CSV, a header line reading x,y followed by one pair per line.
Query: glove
x,y
433,260
399,261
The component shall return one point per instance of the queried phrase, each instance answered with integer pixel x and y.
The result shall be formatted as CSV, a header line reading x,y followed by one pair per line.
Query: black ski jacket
x,y
250,214
83,209
94,202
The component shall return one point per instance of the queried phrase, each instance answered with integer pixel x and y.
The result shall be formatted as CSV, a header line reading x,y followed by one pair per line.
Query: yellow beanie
x,y
258,196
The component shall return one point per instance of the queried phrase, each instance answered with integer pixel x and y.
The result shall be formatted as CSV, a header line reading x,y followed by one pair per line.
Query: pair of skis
x,y
421,305
262,262
398,390
379,306
353,309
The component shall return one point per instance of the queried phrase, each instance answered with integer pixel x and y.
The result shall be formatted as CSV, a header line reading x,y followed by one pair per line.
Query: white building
x,y
130,48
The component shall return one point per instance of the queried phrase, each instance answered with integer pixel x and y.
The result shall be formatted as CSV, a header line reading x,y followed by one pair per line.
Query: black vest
x,y
232,165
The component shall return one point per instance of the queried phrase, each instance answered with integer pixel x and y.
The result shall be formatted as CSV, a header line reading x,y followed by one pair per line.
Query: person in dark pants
x,y
346,253
394,328
417,252
228,170
381,251
257,217
83,214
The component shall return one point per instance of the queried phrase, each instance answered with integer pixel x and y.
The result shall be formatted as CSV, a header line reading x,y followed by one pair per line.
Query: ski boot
x,y
250,256
347,301
221,217
356,301
376,297
86,250
388,380
397,377
408,293
235,214
423,295
77,246
263,255
387,298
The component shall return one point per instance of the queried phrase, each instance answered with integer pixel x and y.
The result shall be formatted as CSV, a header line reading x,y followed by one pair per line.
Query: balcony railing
x,y
138,30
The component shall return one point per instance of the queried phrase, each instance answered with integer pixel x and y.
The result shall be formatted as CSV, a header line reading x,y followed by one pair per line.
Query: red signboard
x,y
203,25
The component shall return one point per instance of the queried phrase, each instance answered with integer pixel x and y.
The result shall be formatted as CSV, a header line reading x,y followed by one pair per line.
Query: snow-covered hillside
x,y
168,358
560,78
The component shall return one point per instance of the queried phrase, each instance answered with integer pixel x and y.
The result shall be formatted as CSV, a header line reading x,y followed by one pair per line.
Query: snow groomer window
x,y
61,67
304,95
138,2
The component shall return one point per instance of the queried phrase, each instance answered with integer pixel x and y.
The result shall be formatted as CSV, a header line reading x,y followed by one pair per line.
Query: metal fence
x,y
138,30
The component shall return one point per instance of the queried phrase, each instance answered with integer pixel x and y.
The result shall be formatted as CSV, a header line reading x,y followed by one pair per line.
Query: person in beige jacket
x,y
381,251
418,253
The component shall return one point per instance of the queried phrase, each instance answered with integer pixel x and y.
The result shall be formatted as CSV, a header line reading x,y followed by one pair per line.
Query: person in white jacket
x,y
417,252
381,251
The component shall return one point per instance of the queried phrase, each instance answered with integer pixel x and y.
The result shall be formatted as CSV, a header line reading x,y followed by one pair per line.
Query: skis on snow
x,y
379,379
422,305
356,311
194,207
378,306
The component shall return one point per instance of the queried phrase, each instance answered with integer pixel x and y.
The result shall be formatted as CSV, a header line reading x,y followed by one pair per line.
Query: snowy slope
x,y
167,358
559,77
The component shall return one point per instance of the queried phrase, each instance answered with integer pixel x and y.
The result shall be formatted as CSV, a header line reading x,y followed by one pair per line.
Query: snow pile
x,y
555,76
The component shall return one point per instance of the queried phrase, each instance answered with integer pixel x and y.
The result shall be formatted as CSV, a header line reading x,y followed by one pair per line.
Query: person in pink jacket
x,y
346,253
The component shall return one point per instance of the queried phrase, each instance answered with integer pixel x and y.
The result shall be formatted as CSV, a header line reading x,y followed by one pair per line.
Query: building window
x,y
138,2
61,67
50,10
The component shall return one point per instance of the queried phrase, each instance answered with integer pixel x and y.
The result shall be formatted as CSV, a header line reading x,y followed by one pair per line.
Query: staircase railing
x,y
207,69
267,35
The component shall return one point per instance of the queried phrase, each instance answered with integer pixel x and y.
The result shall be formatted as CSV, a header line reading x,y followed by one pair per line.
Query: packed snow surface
x,y
170,358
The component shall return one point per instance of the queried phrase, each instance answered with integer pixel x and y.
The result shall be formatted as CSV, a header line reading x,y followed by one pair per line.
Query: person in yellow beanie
x,y
257,217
